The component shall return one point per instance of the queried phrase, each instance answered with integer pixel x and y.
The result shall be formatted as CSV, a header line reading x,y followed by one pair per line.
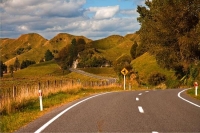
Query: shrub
x,y
156,78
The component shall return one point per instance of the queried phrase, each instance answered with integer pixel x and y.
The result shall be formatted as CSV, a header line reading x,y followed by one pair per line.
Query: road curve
x,y
109,79
128,111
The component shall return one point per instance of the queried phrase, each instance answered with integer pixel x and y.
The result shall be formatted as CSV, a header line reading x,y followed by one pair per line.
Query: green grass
x,y
146,64
30,110
191,92
48,68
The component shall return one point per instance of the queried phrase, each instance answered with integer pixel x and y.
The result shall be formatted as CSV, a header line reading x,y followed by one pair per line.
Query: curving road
x,y
128,111
109,79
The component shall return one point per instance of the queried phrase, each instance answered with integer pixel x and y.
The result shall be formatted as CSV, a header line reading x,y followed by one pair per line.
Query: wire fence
x,y
19,93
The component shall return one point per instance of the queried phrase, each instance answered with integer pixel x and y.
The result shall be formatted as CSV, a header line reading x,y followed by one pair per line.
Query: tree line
x,y
170,31
24,64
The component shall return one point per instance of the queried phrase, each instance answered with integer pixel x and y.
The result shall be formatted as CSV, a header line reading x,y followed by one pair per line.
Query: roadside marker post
x,y
40,99
124,71
196,87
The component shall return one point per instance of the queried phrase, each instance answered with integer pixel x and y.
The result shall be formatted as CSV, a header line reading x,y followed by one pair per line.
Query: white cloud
x,y
49,17
22,28
104,12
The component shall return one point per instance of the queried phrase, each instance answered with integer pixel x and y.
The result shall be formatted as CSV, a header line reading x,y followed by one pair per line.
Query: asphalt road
x,y
128,111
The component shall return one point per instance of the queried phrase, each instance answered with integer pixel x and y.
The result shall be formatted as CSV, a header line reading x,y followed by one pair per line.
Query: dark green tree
x,y
1,69
27,63
133,50
16,64
170,30
11,70
48,55
122,62
72,52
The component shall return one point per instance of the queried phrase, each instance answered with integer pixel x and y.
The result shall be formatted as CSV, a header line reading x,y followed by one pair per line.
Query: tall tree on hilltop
x,y
133,50
170,30
72,51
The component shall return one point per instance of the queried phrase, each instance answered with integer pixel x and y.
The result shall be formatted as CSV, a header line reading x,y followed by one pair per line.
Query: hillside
x,y
63,39
27,46
33,46
114,46
146,65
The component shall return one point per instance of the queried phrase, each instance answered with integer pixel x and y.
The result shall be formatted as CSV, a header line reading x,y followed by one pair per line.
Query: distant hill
x,y
33,46
24,47
114,46
63,39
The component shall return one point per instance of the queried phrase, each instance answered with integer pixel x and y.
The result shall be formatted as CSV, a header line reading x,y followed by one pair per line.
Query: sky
x,y
94,19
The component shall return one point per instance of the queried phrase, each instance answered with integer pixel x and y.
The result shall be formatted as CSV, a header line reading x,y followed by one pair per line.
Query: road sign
x,y
124,71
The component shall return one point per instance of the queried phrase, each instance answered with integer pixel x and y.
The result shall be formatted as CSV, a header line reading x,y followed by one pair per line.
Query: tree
x,y
122,62
16,64
72,51
11,69
170,30
133,50
27,63
1,69
48,55
80,45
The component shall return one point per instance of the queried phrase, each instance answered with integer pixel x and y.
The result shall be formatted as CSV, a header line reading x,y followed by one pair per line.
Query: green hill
x,y
146,65
33,46
10,48
63,39
107,43
114,46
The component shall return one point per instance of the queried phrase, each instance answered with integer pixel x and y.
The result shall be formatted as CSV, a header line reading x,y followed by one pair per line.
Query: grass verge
x,y
191,92
30,110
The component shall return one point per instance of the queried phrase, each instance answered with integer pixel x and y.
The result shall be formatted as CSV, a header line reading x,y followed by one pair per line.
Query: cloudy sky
x,y
94,19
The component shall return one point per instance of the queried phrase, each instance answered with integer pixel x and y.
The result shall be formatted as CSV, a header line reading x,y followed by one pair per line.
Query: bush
x,y
156,78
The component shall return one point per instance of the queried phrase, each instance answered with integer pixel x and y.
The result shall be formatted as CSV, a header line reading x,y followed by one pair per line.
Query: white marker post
x,y
40,98
196,87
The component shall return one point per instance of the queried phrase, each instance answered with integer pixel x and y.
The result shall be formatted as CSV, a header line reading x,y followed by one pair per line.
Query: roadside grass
x,y
191,92
146,64
30,110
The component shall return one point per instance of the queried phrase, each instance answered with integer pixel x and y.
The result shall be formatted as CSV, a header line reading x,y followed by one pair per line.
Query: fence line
x,y
19,93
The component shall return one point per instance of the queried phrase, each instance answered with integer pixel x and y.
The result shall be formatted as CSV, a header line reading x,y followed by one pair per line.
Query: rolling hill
x,y
33,46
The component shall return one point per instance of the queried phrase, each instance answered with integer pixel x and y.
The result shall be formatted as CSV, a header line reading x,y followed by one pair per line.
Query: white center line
x,y
140,109
137,99
140,94
146,91
155,132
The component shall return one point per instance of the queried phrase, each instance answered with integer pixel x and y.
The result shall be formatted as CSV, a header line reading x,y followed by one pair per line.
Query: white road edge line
x,y
179,95
64,111
140,109
137,99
